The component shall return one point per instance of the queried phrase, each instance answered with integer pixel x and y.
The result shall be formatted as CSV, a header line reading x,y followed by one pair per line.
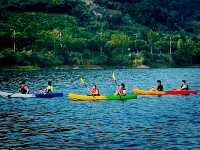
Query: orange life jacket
x,y
95,92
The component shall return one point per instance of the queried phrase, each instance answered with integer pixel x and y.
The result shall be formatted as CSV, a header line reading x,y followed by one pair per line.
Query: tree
x,y
180,44
119,40
152,38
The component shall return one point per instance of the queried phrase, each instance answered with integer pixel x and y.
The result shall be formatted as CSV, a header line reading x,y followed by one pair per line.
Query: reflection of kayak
x,y
40,95
172,92
77,97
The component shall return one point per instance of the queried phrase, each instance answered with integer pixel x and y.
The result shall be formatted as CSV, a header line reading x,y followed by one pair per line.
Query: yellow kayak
x,y
148,92
78,97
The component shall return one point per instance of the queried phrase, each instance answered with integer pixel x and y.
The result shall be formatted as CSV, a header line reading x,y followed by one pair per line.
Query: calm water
x,y
149,122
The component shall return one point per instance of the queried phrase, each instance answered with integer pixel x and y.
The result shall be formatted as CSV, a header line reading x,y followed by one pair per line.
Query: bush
x,y
8,57
183,57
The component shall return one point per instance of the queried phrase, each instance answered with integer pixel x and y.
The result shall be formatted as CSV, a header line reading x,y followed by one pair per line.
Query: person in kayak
x,y
121,90
184,85
94,91
49,88
117,90
159,86
24,89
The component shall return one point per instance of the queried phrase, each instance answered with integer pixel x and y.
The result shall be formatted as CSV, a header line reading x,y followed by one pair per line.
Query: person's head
x,y
122,85
94,86
159,82
183,81
23,82
49,83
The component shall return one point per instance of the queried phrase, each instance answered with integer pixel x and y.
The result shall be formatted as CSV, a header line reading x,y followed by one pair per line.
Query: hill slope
x,y
118,32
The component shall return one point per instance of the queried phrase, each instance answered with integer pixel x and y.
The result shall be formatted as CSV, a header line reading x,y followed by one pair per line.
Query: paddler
x,y
184,85
94,91
24,89
49,88
121,90
159,86
117,91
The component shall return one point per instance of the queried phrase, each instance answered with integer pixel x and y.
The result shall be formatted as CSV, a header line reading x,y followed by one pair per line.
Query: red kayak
x,y
181,92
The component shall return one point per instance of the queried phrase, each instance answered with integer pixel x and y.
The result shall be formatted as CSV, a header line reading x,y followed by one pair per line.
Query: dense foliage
x,y
100,32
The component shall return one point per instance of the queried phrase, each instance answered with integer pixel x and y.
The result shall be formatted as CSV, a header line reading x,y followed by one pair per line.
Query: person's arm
x,y
27,90
184,87
96,92
124,92
117,92
155,87
90,91
44,90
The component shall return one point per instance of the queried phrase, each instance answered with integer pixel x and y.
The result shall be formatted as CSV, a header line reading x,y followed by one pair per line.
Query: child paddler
x,y
94,91
121,90
48,89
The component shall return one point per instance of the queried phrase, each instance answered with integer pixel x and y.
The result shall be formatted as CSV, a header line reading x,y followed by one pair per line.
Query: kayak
x,y
78,97
149,92
181,92
48,95
16,95
39,95
171,92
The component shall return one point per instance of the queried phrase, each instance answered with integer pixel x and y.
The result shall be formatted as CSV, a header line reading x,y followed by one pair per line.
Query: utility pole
x,y
170,45
135,43
60,37
14,44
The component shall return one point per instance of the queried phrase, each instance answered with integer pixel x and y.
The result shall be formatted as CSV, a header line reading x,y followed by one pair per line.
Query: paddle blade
x,y
82,80
113,76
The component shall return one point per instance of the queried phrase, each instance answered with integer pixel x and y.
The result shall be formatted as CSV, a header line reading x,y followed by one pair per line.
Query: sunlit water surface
x,y
149,122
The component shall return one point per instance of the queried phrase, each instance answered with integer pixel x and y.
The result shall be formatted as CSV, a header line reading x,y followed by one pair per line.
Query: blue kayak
x,y
49,95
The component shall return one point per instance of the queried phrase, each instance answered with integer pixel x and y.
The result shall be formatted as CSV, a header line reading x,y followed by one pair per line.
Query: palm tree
x,y
152,38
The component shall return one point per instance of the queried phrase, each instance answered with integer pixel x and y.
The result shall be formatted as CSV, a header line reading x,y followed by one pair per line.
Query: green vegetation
x,y
47,33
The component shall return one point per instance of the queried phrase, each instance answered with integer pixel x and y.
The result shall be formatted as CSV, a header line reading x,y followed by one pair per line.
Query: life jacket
x,y
24,89
121,91
49,89
160,87
94,91
186,88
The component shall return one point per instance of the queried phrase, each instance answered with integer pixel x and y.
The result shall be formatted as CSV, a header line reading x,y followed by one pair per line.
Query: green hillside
x,y
99,32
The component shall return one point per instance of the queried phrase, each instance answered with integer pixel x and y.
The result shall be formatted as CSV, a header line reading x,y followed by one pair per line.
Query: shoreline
x,y
95,67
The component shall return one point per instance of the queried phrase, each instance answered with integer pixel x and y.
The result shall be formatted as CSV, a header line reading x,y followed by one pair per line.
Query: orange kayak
x,y
149,92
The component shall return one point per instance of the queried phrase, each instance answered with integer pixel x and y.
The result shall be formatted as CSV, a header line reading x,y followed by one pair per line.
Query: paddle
x,y
9,96
83,82
114,79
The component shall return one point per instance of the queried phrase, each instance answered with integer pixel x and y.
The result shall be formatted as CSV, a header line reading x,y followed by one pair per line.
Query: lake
x,y
148,122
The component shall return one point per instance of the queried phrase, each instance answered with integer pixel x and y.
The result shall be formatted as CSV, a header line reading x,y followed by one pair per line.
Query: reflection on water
x,y
149,122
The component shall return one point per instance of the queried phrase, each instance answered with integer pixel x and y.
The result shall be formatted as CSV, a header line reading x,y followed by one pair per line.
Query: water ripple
x,y
150,122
